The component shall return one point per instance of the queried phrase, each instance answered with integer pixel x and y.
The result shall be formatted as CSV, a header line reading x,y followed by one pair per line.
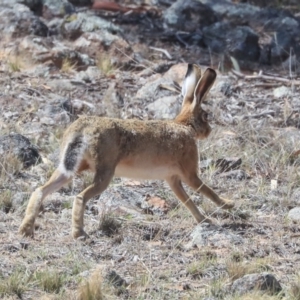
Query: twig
x,y
165,52
260,76
265,113
170,88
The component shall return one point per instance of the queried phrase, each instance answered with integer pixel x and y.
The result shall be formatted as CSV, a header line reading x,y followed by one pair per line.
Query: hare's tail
x,y
72,155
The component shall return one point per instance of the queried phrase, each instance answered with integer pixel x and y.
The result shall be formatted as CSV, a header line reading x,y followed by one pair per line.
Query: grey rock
x,y
61,85
21,147
57,8
116,197
188,15
18,199
235,174
34,5
19,21
151,91
281,45
90,74
80,61
237,13
294,214
164,108
212,235
282,91
75,107
72,28
81,2
51,115
264,282
241,42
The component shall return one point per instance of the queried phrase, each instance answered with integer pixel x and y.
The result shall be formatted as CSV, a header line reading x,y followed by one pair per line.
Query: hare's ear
x,y
192,77
204,85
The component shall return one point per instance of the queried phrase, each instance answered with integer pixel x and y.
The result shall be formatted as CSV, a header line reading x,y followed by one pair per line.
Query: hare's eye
x,y
204,116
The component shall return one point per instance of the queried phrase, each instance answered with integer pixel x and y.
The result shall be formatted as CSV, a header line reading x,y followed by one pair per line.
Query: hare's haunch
x,y
109,147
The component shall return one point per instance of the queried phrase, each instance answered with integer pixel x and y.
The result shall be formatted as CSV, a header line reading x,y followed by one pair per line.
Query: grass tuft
x,y
91,288
109,225
68,66
12,285
104,64
50,281
5,201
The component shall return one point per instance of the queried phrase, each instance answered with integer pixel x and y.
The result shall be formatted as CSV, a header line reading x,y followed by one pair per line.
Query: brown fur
x,y
137,149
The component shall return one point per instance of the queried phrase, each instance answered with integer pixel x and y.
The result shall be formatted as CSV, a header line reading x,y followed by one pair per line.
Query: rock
x,y
281,45
79,61
282,91
213,236
21,147
56,8
61,85
50,50
294,214
115,279
241,42
156,205
81,2
18,199
75,107
236,13
32,4
188,15
228,164
235,174
77,24
109,49
51,115
19,21
264,282
152,91
164,108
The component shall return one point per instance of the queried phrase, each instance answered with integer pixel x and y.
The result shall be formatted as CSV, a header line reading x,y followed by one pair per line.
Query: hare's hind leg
x,y
57,180
102,179
195,183
176,186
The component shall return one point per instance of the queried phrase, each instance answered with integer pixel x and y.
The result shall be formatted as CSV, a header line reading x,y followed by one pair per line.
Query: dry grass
x,y
108,224
14,284
50,281
5,201
104,64
68,66
91,289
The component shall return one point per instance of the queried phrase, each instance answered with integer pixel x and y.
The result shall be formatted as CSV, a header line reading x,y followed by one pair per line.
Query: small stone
x,y
212,235
282,91
263,282
164,108
294,214
21,147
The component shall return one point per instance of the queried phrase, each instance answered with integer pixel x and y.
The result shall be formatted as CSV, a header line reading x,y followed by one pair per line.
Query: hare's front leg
x,y
176,185
101,181
57,180
195,183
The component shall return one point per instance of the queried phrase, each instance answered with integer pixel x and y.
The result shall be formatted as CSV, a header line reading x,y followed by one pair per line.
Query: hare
x,y
162,149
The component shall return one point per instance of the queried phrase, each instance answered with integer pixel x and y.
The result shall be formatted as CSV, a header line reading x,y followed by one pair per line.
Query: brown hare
x,y
109,147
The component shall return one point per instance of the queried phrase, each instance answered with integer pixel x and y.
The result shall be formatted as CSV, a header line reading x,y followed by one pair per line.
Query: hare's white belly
x,y
144,171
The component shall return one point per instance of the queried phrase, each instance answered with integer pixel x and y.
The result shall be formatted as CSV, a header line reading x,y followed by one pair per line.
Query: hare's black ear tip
x,y
189,70
212,73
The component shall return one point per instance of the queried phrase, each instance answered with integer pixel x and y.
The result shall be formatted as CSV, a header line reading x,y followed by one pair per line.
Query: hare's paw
x,y
27,228
227,204
79,233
